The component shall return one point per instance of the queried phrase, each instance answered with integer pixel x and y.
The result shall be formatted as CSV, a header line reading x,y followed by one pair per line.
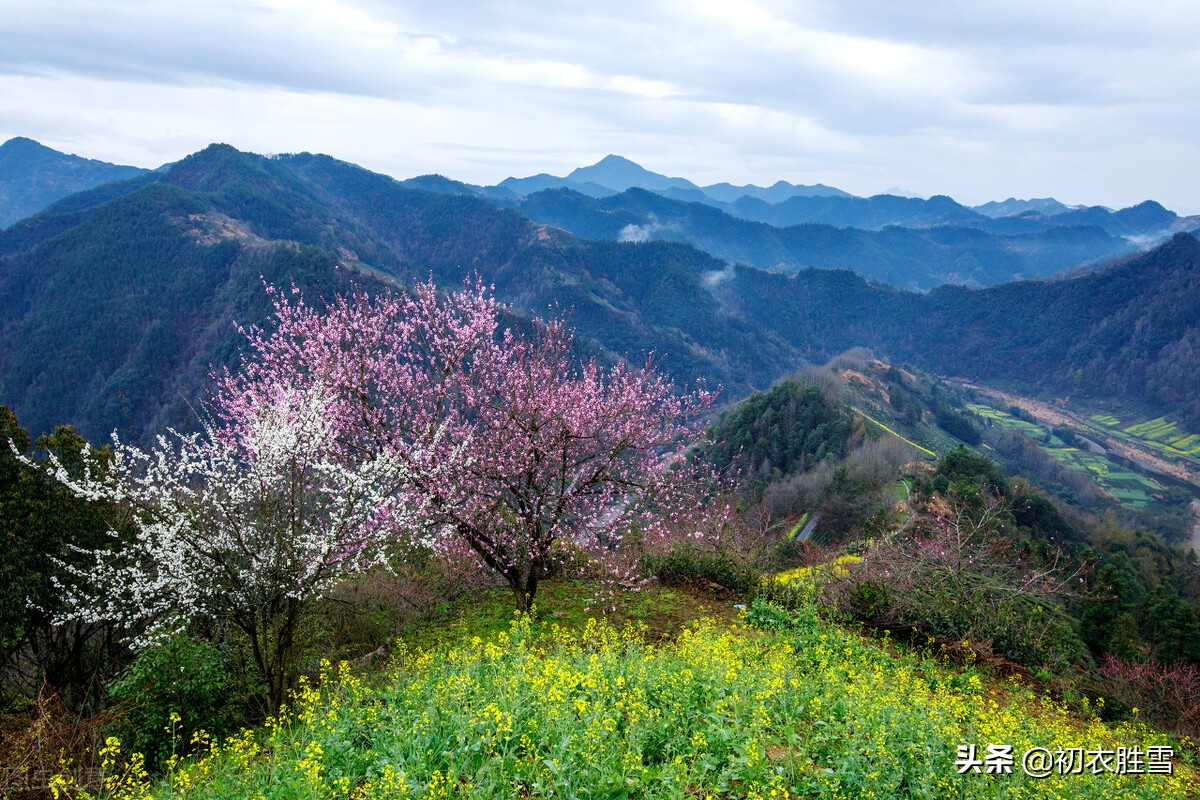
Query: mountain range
x,y
907,242
118,301
913,257
614,174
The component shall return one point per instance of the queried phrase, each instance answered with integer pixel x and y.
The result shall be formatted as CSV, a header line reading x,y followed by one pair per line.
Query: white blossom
x,y
232,523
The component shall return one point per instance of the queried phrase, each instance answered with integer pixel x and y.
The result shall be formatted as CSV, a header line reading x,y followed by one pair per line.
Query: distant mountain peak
x,y
23,144
21,148
614,174
619,173
614,159
896,191
32,176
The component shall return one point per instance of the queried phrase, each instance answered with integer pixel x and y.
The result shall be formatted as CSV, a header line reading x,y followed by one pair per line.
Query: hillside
x,y
116,301
782,704
116,306
33,176
1128,332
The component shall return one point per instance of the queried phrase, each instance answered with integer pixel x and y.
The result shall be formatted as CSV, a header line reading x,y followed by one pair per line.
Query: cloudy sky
x,y
1090,102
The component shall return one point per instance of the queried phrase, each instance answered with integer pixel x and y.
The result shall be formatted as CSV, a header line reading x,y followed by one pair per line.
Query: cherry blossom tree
x,y
545,460
248,522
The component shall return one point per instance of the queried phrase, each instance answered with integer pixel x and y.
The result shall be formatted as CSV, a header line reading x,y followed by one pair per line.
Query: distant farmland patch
x,y
1159,434
1128,488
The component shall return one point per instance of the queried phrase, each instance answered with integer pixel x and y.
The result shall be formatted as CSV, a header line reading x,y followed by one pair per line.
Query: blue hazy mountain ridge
x,y
1039,238
118,301
918,257
32,176
783,203
1013,207
614,174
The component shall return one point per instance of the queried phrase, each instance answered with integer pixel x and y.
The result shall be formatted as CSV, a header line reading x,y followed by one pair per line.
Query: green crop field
x,y
1129,488
1159,434
778,705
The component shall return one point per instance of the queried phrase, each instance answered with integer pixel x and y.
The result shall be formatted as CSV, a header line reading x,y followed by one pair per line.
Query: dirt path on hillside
x,y
1053,415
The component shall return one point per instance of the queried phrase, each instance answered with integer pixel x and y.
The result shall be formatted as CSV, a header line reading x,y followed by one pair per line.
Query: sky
x,y
1090,102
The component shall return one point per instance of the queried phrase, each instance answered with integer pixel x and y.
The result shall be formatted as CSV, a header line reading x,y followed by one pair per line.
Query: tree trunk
x,y
272,642
524,590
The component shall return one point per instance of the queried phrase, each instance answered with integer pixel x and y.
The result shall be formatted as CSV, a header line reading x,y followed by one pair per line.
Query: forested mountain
x,y
909,242
115,302
33,176
114,306
1130,331
908,257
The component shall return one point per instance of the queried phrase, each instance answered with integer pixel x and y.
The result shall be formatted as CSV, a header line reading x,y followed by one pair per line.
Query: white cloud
x,y
940,96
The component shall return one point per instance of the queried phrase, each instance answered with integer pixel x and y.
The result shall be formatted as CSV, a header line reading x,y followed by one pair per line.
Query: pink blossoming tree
x,y
519,454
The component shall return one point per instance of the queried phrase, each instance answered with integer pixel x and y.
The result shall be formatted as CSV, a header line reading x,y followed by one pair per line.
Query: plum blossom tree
x,y
544,459
247,523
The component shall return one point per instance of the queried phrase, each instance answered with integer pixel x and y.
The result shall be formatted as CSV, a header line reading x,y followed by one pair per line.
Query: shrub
x,y
952,574
691,566
176,688
1167,695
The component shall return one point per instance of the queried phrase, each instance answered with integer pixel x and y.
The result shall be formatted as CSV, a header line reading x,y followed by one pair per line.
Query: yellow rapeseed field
x,y
781,705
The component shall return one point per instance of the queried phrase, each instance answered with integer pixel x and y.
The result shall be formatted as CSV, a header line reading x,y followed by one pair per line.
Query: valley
x,y
644,401
1129,442
839,482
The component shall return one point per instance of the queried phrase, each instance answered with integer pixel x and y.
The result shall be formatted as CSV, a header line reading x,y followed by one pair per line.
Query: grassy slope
x,y
477,704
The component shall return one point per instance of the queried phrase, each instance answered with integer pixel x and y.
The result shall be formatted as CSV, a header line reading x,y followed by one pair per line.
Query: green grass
x,y
663,610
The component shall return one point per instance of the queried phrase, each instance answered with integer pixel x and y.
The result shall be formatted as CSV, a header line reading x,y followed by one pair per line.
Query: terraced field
x,y
1158,434
1127,487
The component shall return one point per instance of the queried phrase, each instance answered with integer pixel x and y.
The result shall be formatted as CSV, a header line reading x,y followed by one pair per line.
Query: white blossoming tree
x,y
246,523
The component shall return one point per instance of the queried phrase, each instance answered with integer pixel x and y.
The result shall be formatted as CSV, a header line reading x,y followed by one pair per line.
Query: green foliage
x,y
1107,621
972,472
14,489
688,566
958,424
1174,627
786,430
41,522
180,686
